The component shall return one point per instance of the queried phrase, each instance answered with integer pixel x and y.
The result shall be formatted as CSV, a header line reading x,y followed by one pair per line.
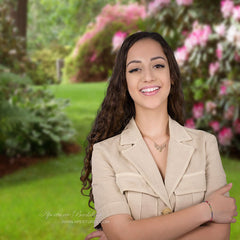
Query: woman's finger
x,y
94,235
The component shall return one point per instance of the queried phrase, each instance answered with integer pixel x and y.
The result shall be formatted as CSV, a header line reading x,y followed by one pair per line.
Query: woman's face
x,y
148,75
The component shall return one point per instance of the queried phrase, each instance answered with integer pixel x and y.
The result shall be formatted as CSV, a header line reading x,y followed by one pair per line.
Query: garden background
x,y
55,60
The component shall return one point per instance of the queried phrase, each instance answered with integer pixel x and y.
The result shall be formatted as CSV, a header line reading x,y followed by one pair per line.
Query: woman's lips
x,y
149,91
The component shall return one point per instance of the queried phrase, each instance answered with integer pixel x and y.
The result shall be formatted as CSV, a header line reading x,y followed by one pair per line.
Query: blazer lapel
x,y
139,155
179,155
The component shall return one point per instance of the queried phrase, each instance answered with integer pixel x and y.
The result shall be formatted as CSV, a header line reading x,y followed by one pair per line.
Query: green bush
x,y
36,123
44,70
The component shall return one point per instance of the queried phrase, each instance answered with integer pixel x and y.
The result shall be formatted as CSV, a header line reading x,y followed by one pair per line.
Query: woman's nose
x,y
148,75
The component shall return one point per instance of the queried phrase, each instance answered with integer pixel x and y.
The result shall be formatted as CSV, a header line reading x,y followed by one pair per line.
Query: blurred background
x,y
55,60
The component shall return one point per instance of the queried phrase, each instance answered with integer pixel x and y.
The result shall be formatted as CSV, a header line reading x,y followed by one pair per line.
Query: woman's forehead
x,y
145,49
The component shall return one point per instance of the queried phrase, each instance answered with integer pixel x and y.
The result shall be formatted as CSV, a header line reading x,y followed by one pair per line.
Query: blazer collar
x,y
179,155
131,133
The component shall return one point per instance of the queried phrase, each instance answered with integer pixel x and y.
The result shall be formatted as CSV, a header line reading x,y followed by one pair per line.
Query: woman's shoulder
x,y
183,132
129,133
108,143
198,133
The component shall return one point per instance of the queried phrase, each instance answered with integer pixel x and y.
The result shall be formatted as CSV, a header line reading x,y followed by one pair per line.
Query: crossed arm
x,y
181,225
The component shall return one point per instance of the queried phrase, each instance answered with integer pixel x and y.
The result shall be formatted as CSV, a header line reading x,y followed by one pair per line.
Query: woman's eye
x,y
134,70
159,66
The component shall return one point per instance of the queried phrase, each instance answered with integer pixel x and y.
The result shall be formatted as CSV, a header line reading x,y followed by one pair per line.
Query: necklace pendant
x,y
160,147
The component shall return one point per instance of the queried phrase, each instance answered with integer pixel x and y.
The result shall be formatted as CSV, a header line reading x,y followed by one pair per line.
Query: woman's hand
x,y
224,208
95,234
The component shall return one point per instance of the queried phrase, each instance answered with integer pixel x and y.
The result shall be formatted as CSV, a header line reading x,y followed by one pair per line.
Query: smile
x,y
149,91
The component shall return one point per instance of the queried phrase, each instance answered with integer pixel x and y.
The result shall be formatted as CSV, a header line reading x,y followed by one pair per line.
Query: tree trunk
x,y
21,17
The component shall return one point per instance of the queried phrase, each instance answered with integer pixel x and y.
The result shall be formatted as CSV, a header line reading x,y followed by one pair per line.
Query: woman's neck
x,y
153,124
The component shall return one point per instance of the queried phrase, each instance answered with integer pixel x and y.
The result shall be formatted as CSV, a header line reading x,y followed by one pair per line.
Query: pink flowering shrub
x,y
214,48
207,49
93,56
126,14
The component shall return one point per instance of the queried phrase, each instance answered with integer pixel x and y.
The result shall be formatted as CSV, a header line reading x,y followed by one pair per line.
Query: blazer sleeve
x,y
215,175
108,200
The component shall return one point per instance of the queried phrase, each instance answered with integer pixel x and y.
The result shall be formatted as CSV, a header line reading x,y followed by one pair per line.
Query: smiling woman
x,y
151,176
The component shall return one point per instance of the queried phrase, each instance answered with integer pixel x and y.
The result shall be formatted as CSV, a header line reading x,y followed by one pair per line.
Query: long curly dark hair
x,y
118,107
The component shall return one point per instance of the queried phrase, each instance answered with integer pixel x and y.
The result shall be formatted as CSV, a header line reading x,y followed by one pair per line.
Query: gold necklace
x,y
157,146
160,147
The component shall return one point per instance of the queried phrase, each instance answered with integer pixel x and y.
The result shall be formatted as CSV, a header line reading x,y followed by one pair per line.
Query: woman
x,y
152,178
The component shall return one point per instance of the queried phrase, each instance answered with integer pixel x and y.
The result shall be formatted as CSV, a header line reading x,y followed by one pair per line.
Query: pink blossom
x,y
191,41
237,57
232,34
190,123
206,31
213,68
134,12
156,5
93,57
219,51
184,2
211,107
225,136
199,36
236,125
118,39
198,110
220,29
228,114
215,125
223,90
181,55
236,12
227,8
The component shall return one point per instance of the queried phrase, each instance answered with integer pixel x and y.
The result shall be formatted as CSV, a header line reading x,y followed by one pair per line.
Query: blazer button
x,y
166,211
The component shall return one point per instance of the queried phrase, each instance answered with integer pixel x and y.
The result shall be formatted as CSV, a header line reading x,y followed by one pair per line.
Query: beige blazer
x,y
126,179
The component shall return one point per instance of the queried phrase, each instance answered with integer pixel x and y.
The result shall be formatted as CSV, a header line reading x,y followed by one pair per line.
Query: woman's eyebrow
x,y
134,61
154,58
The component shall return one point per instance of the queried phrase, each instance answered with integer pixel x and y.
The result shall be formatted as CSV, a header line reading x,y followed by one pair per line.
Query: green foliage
x,y
62,21
10,115
36,123
44,71
50,21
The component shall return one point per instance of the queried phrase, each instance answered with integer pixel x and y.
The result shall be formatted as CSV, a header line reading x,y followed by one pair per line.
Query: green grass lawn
x,y
44,202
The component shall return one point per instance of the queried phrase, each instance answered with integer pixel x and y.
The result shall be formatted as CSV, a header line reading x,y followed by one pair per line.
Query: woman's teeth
x,y
147,90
